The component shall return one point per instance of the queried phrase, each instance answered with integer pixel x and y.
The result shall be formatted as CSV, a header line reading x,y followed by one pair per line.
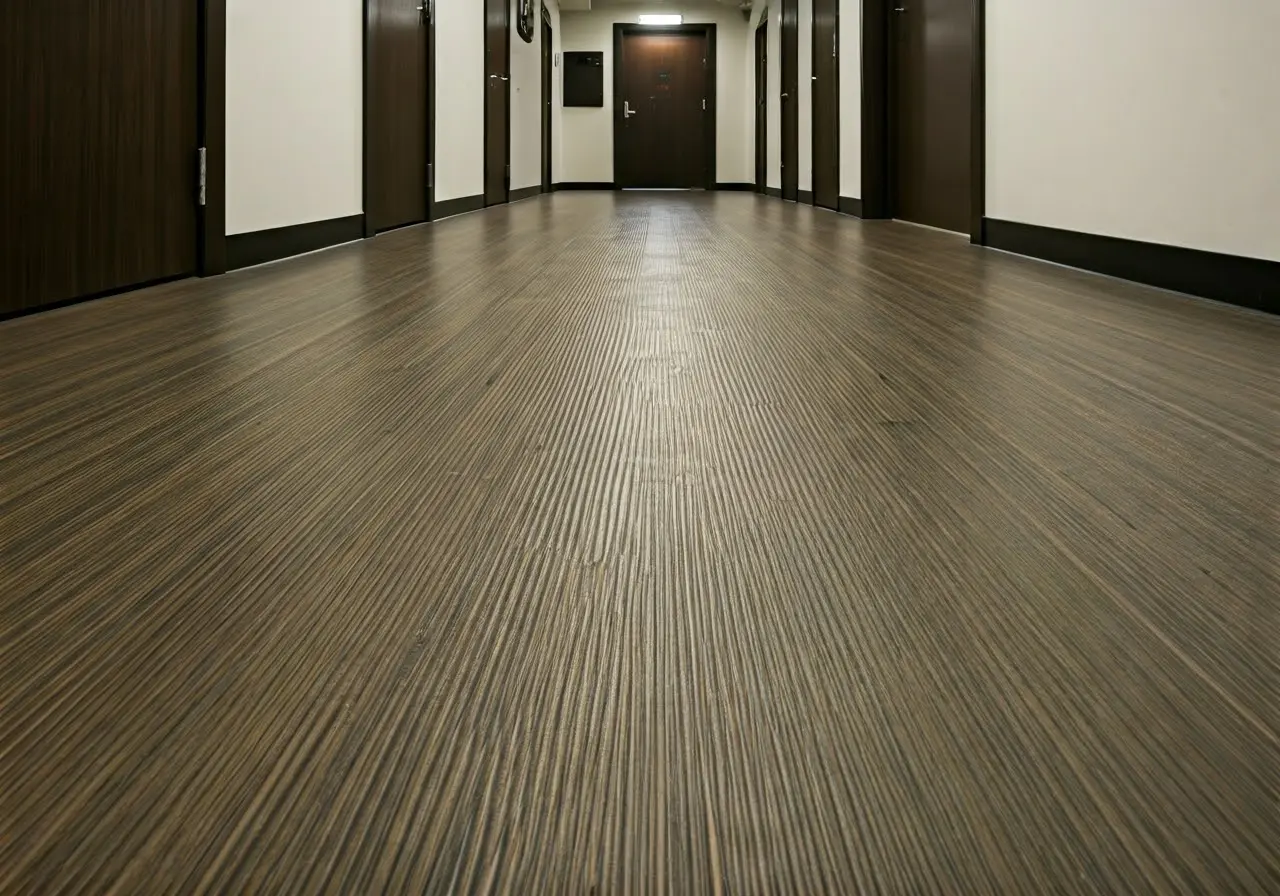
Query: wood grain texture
x,y
663,78
641,543
497,100
789,99
931,85
399,92
826,103
98,140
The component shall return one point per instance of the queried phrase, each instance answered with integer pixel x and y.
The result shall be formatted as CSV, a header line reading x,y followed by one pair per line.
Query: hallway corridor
x,y
627,543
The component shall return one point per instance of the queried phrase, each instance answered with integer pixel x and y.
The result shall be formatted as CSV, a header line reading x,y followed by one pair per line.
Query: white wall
x,y
587,144
460,85
850,37
526,102
1155,120
294,110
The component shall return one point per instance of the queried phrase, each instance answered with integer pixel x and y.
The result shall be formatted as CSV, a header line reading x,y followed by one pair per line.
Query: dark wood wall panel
x,y
497,100
826,103
398,93
663,78
790,97
213,135
98,139
931,53
761,68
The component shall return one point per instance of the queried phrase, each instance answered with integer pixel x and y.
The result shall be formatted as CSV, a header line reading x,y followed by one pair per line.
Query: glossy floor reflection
x,y
622,543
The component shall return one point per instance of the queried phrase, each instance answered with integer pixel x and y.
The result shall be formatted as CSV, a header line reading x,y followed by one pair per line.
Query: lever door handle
x,y
627,111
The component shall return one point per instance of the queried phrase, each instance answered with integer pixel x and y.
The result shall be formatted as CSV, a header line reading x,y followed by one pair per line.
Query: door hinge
x,y
202,177
431,175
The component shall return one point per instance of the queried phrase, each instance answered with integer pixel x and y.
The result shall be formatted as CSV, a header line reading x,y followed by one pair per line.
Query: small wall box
x,y
584,79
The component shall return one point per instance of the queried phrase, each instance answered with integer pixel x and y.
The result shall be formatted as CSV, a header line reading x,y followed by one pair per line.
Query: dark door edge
x,y
366,95
835,87
548,140
789,38
876,85
506,176
211,128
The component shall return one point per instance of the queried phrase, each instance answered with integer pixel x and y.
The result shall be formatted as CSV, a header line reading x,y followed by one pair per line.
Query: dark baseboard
x,y
744,188
247,249
585,185
805,197
1249,282
447,208
850,206
525,193
775,192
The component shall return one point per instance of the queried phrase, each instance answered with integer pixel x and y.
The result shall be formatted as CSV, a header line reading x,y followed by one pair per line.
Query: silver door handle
x,y
785,95
627,111
503,77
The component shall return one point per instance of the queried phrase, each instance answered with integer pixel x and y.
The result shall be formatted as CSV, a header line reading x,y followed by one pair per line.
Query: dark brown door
x,y
931,82
98,154
661,116
497,100
826,104
399,92
547,98
790,71
762,106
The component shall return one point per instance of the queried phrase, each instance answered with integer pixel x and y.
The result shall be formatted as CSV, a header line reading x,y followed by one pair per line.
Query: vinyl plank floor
x,y
641,543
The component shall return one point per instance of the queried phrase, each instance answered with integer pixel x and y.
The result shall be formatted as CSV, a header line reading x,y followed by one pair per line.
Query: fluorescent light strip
x,y
660,19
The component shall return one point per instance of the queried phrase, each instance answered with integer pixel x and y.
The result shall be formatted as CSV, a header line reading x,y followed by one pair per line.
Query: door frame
x,y
877,132
835,88
366,90
506,171
547,79
708,30
211,133
789,97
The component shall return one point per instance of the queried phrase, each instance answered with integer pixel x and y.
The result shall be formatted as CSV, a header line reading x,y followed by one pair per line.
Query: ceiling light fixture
x,y
660,18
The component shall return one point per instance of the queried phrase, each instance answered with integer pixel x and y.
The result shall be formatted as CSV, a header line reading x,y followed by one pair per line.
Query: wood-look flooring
x,y
623,543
